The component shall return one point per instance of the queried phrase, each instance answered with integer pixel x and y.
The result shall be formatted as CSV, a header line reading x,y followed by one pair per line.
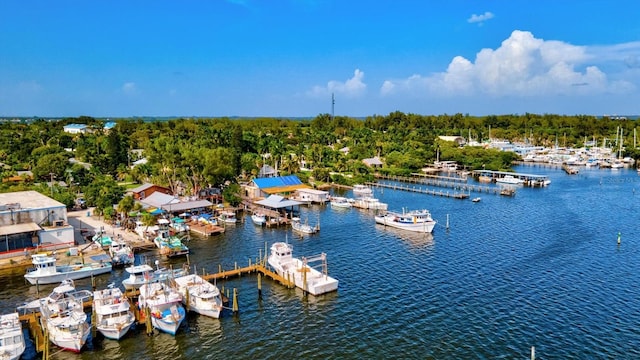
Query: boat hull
x,y
421,225
58,277
169,323
302,275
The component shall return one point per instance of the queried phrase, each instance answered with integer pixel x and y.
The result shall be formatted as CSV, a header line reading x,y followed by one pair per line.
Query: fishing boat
x,y
169,245
362,190
113,312
66,289
12,343
300,272
416,220
142,274
66,323
121,253
259,219
163,304
340,202
200,295
46,271
303,228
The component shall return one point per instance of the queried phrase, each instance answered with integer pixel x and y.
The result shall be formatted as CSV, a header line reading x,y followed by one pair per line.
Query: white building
x,y
29,219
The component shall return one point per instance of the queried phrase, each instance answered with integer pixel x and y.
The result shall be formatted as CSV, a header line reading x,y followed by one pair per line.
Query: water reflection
x,y
412,238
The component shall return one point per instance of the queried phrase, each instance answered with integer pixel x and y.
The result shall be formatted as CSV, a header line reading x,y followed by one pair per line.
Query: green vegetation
x,y
188,155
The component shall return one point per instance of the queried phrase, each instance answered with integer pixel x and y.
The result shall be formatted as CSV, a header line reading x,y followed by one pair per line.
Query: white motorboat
x,y
362,190
300,272
66,289
369,203
417,220
179,225
142,274
228,217
200,295
510,179
66,323
340,202
12,343
163,303
121,253
46,271
113,312
476,199
259,219
303,228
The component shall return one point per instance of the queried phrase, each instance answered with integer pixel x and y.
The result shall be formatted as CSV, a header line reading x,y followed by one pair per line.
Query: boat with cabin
x,y
142,274
113,312
66,289
121,253
200,295
339,202
66,323
259,219
228,217
303,228
169,245
300,272
509,179
12,343
163,303
415,220
45,270
179,225
362,190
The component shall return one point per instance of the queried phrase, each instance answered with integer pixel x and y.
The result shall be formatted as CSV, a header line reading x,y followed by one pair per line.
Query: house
x,y
262,187
29,219
144,190
312,196
267,171
171,204
373,162
75,128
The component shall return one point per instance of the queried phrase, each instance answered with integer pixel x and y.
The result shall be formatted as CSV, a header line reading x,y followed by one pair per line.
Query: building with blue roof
x,y
262,187
75,128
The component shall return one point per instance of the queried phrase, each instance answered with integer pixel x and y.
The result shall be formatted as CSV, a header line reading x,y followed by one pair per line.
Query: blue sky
x,y
286,57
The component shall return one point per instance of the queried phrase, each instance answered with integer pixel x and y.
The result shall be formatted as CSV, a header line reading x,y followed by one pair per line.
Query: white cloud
x,y
352,87
129,88
522,66
480,18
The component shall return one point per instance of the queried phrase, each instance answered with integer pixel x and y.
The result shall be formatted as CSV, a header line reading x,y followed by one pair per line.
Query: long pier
x,y
446,182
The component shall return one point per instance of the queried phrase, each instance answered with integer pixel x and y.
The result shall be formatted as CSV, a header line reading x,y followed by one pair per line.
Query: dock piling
x,y
259,286
235,301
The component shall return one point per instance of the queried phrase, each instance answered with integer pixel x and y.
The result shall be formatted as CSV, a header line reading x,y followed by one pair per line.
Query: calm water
x,y
540,269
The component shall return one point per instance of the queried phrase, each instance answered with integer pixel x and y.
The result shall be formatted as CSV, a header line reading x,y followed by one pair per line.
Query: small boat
x,y
12,343
340,202
113,312
300,272
362,190
476,199
228,217
143,274
163,303
169,245
305,228
510,179
66,323
121,253
416,220
200,295
46,271
66,289
179,225
259,219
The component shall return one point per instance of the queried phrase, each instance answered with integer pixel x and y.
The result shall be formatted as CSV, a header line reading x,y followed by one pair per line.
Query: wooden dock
x,y
455,195
206,230
460,190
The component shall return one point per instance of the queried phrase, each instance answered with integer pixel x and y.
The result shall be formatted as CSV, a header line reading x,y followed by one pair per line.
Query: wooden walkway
x,y
206,230
462,189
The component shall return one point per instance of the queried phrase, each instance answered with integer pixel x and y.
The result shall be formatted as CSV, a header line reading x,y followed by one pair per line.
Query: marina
x,y
539,282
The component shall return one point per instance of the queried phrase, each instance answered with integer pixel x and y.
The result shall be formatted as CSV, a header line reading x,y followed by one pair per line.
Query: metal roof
x,y
277,202
19,228
278,181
